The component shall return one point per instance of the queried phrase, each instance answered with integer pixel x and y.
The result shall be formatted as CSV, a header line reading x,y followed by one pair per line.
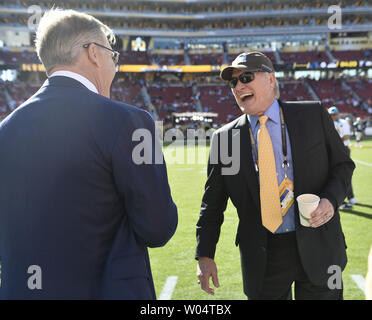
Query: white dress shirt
x,y
77,77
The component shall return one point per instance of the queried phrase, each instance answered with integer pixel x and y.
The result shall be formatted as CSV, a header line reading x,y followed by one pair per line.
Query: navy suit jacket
x,y
74,203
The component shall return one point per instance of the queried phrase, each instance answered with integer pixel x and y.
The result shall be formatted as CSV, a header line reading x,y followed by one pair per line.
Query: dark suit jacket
x,y
321,166
73,202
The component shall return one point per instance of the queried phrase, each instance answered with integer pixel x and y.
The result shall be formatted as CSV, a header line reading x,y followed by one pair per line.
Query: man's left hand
x,y
322,214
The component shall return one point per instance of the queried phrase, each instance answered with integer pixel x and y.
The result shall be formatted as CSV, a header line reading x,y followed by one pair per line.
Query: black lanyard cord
x,y
284,144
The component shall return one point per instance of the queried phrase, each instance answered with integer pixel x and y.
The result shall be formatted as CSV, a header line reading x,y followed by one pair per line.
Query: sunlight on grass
x,y
187,178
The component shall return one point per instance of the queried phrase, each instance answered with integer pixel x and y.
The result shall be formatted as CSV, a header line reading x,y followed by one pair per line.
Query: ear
x,y
93,55
272,79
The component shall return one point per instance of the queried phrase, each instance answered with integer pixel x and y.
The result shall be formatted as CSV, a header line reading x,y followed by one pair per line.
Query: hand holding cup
x,y
314,212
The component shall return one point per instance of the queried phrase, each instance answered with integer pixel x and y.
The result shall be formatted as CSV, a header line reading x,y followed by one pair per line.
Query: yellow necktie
x,y
269,191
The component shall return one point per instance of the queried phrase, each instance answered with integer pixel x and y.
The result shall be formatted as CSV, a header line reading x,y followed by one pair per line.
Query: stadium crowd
x,y
226,23
172,96
146,6
209,56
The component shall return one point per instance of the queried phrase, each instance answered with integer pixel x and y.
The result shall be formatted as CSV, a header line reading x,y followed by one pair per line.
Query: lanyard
x,y
285,164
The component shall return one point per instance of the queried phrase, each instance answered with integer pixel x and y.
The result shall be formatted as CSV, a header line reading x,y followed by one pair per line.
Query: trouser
x,y
358,136
350,192
284,268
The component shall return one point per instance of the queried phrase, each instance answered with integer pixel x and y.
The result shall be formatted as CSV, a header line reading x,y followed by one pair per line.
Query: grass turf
x,y
187,176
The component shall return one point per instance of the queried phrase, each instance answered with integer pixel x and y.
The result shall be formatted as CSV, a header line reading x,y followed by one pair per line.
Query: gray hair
x,y
276,89
61,34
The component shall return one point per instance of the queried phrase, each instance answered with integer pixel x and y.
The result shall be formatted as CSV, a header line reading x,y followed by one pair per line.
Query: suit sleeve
x,y
341,166
141,178
213,206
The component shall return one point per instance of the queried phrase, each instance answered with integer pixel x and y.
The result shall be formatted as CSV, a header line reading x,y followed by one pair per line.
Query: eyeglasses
x,y
245,77
115,54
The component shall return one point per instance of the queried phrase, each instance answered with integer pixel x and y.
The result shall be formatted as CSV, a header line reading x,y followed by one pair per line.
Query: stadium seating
x,y
130,94
168,99
331,93
138,57
293,90
188,7
134,57
10,57
213,95
167,59
304,57
208,58
219,99
3,104
362,87
352,55
20,92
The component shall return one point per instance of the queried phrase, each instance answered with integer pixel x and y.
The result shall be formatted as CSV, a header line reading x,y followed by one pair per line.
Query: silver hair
x,y
61,34
276,87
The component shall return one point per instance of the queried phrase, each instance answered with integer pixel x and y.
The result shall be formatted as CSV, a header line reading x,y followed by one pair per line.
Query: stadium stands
x,y
352,54
332,93
208,94
4,110
304,57
146,6
168,99
293,90
219,99
130,94
11,57
147,58
207,58
167,59
134,57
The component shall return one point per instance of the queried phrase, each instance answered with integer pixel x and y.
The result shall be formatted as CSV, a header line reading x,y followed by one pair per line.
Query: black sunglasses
x,y
115,54
245,77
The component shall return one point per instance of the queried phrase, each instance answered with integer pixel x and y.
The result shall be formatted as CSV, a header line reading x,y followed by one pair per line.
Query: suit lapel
x,y
293,124
246,161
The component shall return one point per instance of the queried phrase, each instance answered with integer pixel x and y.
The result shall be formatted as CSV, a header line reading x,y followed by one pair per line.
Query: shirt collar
x,y
77,77
272,113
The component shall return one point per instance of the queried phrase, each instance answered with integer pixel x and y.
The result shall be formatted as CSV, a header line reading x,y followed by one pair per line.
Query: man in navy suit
x,y
77,209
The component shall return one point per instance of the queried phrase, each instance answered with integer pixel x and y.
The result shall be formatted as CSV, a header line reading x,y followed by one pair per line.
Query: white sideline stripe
x,y
362,162
360,281
168,289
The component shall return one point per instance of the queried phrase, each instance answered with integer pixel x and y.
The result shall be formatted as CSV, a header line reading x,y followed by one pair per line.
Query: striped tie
x,y
269,191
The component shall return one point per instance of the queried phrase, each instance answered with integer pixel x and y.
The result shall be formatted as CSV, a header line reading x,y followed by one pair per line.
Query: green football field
x,y
187,176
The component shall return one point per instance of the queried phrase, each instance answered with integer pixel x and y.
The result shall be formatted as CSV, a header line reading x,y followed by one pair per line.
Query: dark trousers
x,y
350,192
284,267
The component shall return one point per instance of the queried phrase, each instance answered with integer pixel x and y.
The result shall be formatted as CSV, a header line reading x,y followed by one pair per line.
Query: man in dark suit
x,y
78,208
286,149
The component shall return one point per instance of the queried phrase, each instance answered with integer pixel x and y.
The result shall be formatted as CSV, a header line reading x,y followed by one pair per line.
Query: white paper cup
x,y
307,203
